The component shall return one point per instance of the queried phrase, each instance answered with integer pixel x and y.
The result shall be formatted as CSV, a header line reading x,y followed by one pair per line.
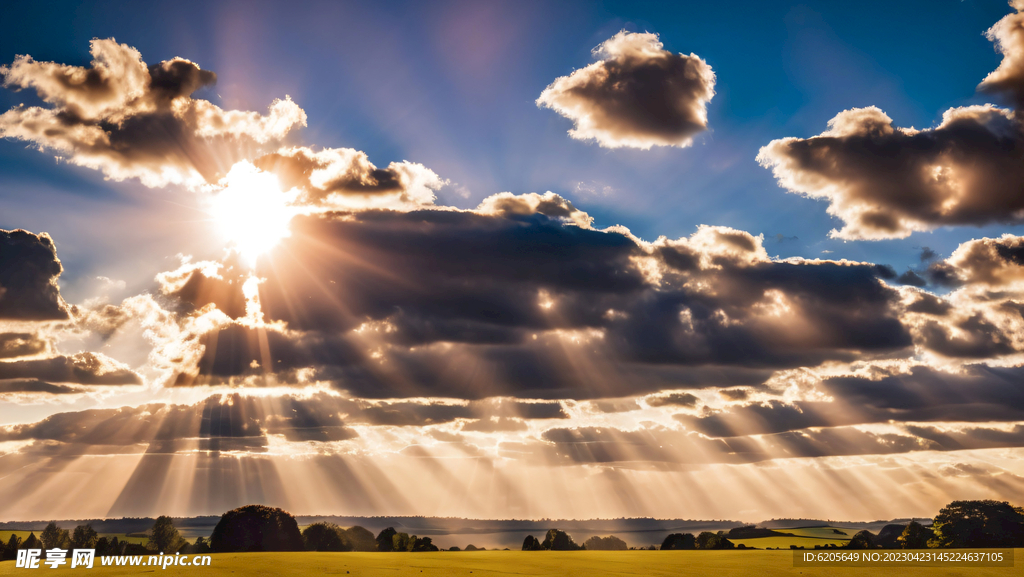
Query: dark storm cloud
x,y
348,173
638,94
82,368
133,120
29,268
384,303
977,393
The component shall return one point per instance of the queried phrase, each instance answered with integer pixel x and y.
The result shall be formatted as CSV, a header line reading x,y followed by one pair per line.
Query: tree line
x,y
960,524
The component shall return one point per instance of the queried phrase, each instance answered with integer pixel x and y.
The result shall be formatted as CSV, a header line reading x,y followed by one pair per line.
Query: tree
x,y
200,547
10,551
54,536
115,547
164,536
557,540
359,539
609,543
324,537
32,542
423,544
102,545
914,536
978,524
531,544
862,540
402,542
256,528
709,540
84,537
677,541
386,540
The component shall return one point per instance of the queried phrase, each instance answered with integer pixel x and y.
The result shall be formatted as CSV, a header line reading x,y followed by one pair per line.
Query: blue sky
x,y
452,86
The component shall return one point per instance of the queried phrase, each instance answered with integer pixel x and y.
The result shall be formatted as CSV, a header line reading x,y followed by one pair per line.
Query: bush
x,y
609,543
323,537
256,528
557,540
677,541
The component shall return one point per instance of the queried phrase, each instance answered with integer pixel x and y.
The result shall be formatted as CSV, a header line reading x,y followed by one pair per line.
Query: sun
x,y
251,212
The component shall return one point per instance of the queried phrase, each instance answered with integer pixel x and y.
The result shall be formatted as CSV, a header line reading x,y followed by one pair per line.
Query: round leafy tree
x,y
979,524
256,528
323,537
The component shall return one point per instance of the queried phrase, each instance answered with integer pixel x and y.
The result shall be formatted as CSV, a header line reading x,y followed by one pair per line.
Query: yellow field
x,y
505,563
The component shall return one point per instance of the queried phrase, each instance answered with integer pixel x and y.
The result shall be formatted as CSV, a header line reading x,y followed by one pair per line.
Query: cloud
x,y
219,422
34,386
1008,78
382,303
982,317
14,345
888,182
29,268
86,368
676,399
133,120
637,95
976,393
345,178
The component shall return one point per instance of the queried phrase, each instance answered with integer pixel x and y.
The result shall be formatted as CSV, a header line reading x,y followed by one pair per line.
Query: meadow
x,y
505,563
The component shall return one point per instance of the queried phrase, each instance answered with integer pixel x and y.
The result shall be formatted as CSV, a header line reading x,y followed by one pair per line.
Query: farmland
x,y
503,563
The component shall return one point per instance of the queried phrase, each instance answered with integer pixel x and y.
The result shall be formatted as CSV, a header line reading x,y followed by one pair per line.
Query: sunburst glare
x,y
251,212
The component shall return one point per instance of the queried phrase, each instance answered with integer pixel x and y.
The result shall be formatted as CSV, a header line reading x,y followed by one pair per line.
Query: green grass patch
x,y
509,563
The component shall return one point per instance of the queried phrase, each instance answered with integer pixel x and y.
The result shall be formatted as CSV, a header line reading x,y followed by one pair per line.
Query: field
x,y
505,563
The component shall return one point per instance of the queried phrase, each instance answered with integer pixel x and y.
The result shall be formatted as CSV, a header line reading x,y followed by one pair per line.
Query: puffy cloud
x,y
133,120
637,95
982,317
343,177
1008,35
887,182
29,268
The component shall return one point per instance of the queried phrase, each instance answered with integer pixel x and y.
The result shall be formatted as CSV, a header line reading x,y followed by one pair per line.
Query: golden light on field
x,y
251,212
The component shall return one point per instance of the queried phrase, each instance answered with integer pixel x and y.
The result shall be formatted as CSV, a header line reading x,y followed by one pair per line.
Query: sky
x,y
511,259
